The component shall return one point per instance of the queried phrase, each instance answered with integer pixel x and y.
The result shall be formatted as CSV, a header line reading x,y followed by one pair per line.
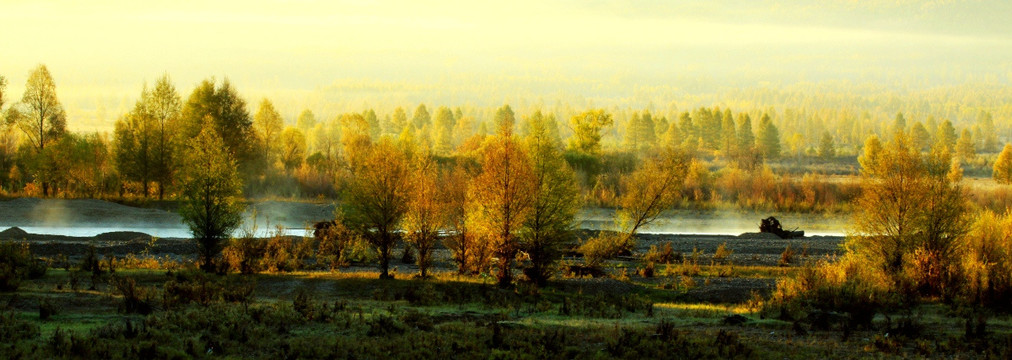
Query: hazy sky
x,y
305,53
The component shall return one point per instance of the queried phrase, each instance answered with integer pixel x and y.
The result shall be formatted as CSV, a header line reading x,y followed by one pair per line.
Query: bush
x,y
664,255
334,240
244,254
849,286
786,257
605,246
195,287
135,299
16,264
722,252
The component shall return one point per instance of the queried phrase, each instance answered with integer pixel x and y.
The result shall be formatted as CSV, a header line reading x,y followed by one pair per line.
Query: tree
x,y
1002,171
378,198
911,216
500,199
444,123
827,148
650,190
165,106
398,121
41,117
556,201
746,139
899,124
990,141
964,146
768,138
306,120
355,139
211,192
946,135
227,113
505,120
268,125
135,138
421,117
374,125
728,135
587,131
425,212
293,148
870,157
470,254
920,137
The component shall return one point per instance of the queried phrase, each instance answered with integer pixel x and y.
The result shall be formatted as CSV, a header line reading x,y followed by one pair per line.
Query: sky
x,y
336,56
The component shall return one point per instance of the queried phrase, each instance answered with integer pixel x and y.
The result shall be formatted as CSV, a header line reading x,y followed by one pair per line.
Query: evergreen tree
x,y
768,138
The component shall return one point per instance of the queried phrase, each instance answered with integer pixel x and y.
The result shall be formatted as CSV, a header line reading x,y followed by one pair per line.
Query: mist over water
x,y
720,222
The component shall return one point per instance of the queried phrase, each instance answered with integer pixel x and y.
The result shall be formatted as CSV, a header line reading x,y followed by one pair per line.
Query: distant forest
x,y
766,149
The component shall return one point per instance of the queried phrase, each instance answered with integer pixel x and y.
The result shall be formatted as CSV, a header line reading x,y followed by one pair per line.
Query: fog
x,y
334,57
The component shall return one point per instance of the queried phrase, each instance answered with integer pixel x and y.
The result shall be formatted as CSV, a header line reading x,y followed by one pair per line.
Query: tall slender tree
x,y
41,117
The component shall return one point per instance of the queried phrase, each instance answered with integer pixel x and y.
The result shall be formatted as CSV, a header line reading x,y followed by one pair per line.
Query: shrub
x,y
605,246
244,254
722,252
786,257
850,286
664,255
334,240
188,287
135,299
16,264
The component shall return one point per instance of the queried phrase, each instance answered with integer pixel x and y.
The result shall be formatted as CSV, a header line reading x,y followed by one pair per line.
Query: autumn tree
x,y
378,198
964,146
728,135
135,146
164,105
41,118
587,128
920,138
1002,170
227,112
827,148
425,211
556,200
505,120
355,139
500,199
306,120
374,124
211,193
650,191
470,254
746,138
268,125
443,137
945,135
768,138
421,117
398,121
293,148
911,216
870,157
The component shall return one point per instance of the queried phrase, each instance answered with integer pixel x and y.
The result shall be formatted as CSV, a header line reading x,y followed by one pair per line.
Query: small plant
x,y
664,255
47,309
786,257
648,270
722,252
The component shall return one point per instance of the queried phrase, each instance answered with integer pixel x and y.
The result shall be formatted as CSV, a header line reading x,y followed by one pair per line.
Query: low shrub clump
x,y
16,264
849,286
